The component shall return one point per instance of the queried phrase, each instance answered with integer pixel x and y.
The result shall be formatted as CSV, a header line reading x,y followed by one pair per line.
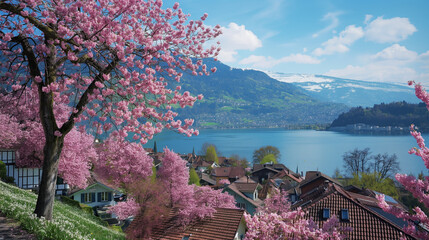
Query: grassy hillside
x,y
68,222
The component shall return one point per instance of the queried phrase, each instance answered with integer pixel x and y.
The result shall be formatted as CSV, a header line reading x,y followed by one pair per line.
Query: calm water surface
x,y
305,149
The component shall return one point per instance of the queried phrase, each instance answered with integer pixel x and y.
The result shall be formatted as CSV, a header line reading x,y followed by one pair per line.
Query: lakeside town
x,y
88,87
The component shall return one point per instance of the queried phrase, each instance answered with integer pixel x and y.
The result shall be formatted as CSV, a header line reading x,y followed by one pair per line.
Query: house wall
x,y
95,189
250,208
241,231
25,178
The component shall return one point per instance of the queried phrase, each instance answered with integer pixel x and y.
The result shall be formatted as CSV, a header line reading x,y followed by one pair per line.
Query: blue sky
x,y
385,41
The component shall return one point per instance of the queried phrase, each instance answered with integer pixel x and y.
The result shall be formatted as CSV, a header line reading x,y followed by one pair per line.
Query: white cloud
x,y
389,30
333,17
377,72
340,43
368,17
395,52
268,62
236,37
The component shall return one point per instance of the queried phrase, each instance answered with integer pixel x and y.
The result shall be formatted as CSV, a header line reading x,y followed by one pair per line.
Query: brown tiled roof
x,y
245,179
223,225
246,187
230,172
366,223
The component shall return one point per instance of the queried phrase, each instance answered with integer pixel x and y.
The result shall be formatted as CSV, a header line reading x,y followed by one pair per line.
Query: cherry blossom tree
x,y
418,188
22,124
150,199
276,220
109,61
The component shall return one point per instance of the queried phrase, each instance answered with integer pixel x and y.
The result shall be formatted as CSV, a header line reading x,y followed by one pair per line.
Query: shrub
x,y
70,201
86,208
2,171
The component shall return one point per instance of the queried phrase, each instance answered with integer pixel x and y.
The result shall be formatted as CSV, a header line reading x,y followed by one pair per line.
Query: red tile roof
x,y
366,224
223,225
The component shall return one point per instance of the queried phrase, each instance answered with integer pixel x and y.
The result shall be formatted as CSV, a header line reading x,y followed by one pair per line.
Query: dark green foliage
x,y
9,179
193,177
70,201
258,155
86,208
2,171
399,114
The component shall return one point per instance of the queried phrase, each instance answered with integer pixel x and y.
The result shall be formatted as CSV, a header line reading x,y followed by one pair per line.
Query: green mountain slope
x,y
236,98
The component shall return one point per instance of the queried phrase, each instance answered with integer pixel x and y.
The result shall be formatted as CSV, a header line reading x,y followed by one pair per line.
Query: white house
x,y
95,195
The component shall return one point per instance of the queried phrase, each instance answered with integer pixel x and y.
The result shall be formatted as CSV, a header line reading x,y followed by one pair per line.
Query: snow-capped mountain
x,y
347,91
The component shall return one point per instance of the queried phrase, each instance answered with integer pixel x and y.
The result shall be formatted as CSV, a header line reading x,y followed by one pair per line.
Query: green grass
x,y
68,222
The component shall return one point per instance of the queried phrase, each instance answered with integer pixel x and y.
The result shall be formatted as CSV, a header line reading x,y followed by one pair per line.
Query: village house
x,y
96,194
229,173
225,224
27,178
262,172
321,197
245,193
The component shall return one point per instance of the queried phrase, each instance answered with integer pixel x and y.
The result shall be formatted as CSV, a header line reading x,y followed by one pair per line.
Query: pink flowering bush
x,y
276,220
418,188
224,181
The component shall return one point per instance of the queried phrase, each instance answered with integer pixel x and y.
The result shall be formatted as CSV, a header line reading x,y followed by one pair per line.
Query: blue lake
x,y
305,149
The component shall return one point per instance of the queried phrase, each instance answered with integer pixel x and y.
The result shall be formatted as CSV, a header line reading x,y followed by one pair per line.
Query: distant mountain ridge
x,y
350,92
237,98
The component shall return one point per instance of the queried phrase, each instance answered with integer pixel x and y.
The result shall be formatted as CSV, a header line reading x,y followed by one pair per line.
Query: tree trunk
x,y
47,187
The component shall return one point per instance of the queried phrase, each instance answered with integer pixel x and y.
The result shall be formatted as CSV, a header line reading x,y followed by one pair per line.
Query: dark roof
x,y
230,172
276,166
205,177
222,225
311,176
287,173
366,223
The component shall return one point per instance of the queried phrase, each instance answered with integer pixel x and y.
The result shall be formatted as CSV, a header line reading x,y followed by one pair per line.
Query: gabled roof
x,y
93,181
287,173
246,187
275,166
366,223
311,176
222,225
230,172
245,179
234,188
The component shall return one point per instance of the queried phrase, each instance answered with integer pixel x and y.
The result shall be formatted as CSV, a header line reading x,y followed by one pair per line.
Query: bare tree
x,y
357,161
385,165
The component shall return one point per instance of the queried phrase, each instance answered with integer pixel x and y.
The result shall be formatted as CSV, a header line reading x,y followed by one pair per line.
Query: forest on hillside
x,y
401,114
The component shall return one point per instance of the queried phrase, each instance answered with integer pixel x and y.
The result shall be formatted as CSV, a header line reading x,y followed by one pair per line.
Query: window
x,y
326,213
104,196
241,205
344,214
88,197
